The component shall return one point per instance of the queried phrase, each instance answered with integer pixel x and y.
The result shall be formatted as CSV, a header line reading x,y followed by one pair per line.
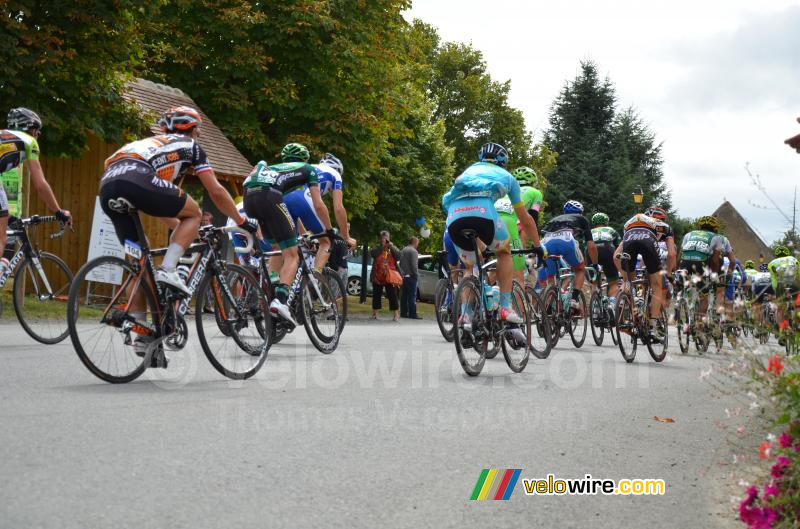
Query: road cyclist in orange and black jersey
x,y
140,174
19,145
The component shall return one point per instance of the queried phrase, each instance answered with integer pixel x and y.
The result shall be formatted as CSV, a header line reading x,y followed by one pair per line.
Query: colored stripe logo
x,y
495,484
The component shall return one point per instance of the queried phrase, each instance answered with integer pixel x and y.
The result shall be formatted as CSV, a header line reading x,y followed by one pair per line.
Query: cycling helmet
x,y
749,265
295,152
493,153
656,212
24,119
180,119
332,161
573,206
526,176
782,251
709,223
599,218
763,267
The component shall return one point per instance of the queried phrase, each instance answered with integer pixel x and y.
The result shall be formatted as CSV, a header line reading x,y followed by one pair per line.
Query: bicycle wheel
x,y
597,318
43,316
320,313
682,323
100,321
658,350
540,326
467,302
339,293
551,309
578,322
444,311
517,357
233,322
626,327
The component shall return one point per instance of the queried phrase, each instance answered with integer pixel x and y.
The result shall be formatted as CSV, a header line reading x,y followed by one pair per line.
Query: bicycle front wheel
x,y
551,302
577,321
41,289
233,322
517,357
658,349
540,326
597,318
443,308
468,319
107,305
683,327
321,316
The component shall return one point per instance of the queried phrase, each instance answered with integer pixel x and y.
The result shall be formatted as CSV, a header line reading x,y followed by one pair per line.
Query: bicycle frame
x,y
29,250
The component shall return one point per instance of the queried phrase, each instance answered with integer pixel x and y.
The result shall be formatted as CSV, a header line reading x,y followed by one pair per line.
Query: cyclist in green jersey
x,y
784,273
532,200
606,239
18,146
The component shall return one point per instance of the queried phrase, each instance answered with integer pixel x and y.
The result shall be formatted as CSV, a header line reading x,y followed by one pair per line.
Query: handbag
x,y
394,278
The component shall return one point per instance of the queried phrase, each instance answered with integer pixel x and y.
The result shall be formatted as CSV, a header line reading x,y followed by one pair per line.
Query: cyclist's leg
x,y
301,207
605,256
648,249
3,219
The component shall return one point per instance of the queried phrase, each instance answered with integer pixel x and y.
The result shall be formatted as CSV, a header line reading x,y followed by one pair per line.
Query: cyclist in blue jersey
x,y
301,206
470,205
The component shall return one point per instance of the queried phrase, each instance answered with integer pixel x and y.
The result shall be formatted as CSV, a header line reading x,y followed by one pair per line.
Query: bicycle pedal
x,y
159,360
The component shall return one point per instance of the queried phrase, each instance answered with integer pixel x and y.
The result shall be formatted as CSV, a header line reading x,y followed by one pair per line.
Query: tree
x,y
69,62
603,154
790,239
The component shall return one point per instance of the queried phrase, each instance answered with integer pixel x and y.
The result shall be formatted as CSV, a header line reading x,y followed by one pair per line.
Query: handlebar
x,y
247,235
18,223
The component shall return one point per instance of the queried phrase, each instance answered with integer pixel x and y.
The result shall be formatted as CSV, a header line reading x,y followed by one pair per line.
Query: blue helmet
x,y
493,153
573,206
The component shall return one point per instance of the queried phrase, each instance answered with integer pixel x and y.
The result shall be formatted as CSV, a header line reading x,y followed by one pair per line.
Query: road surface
x,y
386,432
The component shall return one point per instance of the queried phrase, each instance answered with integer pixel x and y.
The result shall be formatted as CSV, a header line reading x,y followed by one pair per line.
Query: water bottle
x,y
488,295
495,297
183,273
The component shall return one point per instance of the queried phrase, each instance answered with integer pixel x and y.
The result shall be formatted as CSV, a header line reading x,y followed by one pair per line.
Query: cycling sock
x,y
505,300
281,292
174,252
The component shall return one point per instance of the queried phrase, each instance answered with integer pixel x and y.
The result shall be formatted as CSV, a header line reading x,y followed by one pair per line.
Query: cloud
x,y
757,65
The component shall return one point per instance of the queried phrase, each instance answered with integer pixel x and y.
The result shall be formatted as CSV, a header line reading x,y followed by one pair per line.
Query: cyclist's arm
x,y
617,258
43,189
220,196
341,216
672,255
528,224
592,247
320,207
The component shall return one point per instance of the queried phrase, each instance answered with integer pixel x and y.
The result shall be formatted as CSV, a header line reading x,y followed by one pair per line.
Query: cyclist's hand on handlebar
x,y
540,251
351,242
249,225
64,216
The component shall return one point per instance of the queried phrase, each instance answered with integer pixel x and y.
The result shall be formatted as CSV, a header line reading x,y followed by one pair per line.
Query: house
x,y
75,181
747,244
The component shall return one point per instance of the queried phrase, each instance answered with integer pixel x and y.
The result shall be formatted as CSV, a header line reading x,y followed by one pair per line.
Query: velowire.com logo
x,y
495,484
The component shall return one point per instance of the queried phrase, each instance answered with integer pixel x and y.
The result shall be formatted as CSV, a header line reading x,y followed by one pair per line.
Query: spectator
x,y
208,218
409,259
384,271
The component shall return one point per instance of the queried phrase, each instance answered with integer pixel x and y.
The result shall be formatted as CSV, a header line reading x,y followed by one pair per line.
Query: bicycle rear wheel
x,y
577,322
517,357
444,311
626,327
551,308
540,326
658,349
43,316
320,313
101,324
682,324
467,303
597,318
233,322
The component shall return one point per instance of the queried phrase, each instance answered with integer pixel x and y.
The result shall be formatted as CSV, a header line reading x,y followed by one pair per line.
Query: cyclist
x,y
667,251
560,238
532,201
19,145
141,174
701,254
761,288
606,239
301,206
265,188
470,205
784,273
641,238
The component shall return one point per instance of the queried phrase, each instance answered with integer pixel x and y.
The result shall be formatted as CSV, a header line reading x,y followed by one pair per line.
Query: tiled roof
x,y
156,98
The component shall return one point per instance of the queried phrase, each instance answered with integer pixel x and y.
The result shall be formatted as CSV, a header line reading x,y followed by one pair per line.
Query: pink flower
x,y
779,468
770,490
785,440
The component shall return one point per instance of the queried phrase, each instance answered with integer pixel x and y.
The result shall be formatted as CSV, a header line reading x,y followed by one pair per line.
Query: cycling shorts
x,y
302,207
516,241
641,242
476,214
136,182
605,258
567,247
3,201
266,205
451,251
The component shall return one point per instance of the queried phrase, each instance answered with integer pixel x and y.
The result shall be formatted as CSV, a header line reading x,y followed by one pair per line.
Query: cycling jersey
x,y
606,235
699,245
301,205
483,180
16,147
784,272
329,178
168,154
282,177
531,200
567,227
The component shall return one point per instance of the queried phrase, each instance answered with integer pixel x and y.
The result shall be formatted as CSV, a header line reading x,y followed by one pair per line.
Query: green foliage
x,y
603,153
790,239
69,61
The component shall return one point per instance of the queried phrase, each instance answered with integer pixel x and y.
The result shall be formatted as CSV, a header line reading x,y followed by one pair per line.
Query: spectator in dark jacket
x,y
384,257
409,259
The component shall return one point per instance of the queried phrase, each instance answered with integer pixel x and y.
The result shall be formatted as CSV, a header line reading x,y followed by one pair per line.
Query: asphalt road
x,y
386,432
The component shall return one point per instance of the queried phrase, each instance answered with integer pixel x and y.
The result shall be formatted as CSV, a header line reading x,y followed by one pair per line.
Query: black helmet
x,y
24,119
493,153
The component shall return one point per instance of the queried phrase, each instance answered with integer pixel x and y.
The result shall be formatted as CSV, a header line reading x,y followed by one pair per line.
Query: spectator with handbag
x,y
385,275
409,266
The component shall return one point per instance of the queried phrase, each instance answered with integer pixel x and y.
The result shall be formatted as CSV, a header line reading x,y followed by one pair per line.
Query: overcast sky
x,y
717,81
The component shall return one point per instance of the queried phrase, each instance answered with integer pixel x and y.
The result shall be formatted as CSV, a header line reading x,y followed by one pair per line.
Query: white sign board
x,y
103,241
